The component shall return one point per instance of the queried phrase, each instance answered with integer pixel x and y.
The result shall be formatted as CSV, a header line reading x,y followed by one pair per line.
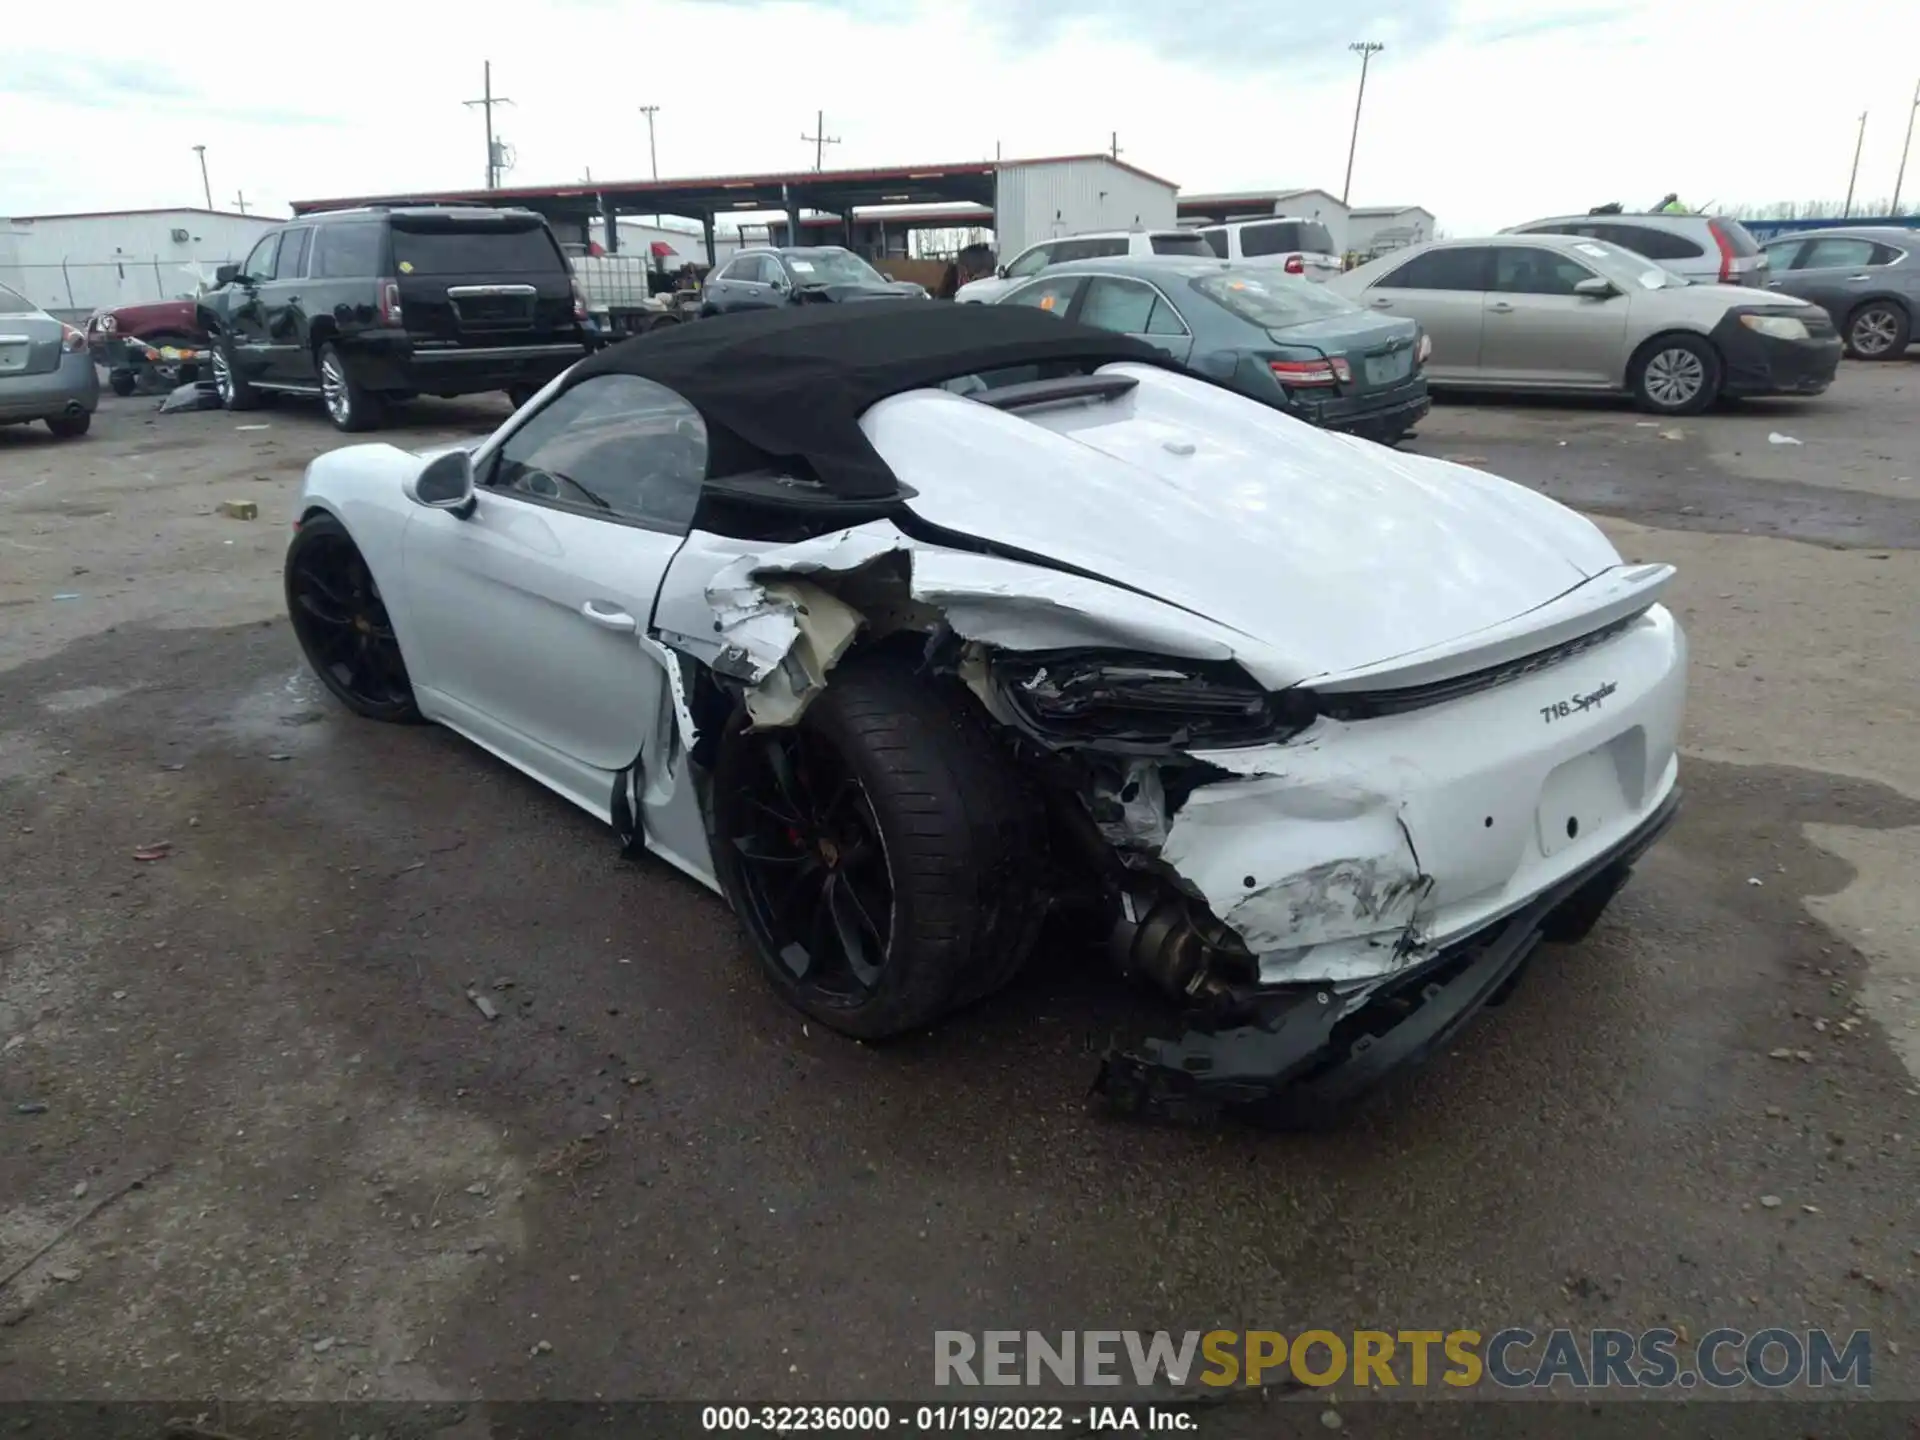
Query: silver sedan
x,y
46,372
1565,313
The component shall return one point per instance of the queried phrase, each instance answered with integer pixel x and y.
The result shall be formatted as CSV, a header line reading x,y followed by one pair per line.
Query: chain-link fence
x,y
73,289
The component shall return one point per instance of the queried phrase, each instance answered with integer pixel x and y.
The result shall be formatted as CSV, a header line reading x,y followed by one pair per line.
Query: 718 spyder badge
x,y
1561,709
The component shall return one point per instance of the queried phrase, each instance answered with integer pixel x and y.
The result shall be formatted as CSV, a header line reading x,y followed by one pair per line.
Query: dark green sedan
x,y
1288,342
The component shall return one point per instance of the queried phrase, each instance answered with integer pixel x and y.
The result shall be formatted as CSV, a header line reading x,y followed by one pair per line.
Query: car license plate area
x,y
1385,369
1584,796
13,354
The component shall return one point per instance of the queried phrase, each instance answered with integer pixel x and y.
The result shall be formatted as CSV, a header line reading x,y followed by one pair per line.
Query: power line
x,y
1901,174
820,139
653,155
1366,50
1854,174
486,102
206,188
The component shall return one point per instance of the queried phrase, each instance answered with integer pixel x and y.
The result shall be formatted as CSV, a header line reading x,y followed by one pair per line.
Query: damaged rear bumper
x,y
1302,1054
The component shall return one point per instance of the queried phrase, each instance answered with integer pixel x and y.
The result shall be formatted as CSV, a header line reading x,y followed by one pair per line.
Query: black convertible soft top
x,y
790,385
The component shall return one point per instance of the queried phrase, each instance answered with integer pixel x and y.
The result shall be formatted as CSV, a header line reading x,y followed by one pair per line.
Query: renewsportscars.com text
x,y
1511,1358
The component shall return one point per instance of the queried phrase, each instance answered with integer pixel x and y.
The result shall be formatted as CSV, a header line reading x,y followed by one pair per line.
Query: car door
x,y
1539,331
528,615
1833,271
284,310
1444,288
1030,261
251,345
1133,307
724,289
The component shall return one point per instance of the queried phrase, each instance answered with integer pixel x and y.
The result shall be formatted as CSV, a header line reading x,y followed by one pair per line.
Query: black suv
x,y
765,278
360,307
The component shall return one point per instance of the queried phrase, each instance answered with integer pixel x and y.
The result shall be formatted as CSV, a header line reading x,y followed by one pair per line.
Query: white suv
x,y
1299,247
1102,245
1707,249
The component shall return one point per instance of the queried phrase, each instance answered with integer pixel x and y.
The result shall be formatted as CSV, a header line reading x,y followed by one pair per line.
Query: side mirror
x,y
225,275
999,272
1596,288
445,483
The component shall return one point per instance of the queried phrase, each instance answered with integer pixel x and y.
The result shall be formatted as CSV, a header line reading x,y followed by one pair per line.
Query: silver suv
x,y
1707,249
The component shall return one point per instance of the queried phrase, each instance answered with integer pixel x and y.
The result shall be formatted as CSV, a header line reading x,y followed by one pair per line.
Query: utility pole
x,y
653,155
820,139
486,102
1366,50
1902,173
206,189
1113,144
240,200
1854,173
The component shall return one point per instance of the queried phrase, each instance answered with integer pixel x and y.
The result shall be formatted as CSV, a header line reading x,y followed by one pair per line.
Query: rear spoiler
x,y
1612,596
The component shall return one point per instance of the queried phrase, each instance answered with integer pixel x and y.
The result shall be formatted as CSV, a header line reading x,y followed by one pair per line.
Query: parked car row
x,y
45,371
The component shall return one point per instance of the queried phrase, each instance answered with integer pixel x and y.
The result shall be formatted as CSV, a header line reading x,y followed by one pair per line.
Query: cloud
x,y
100,82
1306,42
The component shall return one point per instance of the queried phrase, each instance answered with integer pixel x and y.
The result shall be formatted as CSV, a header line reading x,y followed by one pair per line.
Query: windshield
x,y
832,267
14,303
1268,298
1626,269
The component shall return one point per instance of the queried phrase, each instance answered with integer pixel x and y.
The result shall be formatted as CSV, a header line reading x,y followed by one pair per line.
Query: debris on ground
x,y
1673,434
1755,881
196,395
1769,1202
80,1190
280,755
1774,437
159,850
238,509
253,427
65,1275
31,1107
542,1348
1781,1052
323,1345
67,595
483,1005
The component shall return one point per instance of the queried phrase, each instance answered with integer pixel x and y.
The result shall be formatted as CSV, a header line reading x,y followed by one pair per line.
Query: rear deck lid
x,y
30,339
482,279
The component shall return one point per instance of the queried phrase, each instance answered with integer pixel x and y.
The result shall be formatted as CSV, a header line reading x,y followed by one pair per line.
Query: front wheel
x,y
880,853
350,405
234,392
1676,375
70,427
341,622
1878,330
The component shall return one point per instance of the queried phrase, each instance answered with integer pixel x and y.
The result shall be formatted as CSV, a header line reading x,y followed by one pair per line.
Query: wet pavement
x,y
648,1178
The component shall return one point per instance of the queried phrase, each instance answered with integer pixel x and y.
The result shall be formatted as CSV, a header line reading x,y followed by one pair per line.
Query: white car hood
x,y
1334,552
987,287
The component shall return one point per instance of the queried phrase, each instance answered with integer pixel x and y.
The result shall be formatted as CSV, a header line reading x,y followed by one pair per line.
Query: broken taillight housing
x,y
1146,702
1424,351
71,340
1295,373
1295,265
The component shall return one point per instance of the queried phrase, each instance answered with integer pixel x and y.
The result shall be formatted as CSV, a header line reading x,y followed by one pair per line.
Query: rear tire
x,y
122,383
1879,330
1675,375
70,427
937,841
350,405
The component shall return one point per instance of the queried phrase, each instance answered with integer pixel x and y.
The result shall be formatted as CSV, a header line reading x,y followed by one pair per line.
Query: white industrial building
x,y
73,265
1380,228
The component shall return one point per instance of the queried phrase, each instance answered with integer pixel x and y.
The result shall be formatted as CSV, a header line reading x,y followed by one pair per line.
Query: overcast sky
x,y
1488,112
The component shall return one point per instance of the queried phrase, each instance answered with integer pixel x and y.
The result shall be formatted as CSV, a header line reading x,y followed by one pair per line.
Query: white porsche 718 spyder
x,y
905,626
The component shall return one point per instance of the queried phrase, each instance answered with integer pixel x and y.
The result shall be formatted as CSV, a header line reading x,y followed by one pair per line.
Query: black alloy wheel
x,y
342,623
813,867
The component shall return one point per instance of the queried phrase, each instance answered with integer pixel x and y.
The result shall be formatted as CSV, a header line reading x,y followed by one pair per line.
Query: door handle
x,y
1501,307
1859,277
608,617
1381,303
